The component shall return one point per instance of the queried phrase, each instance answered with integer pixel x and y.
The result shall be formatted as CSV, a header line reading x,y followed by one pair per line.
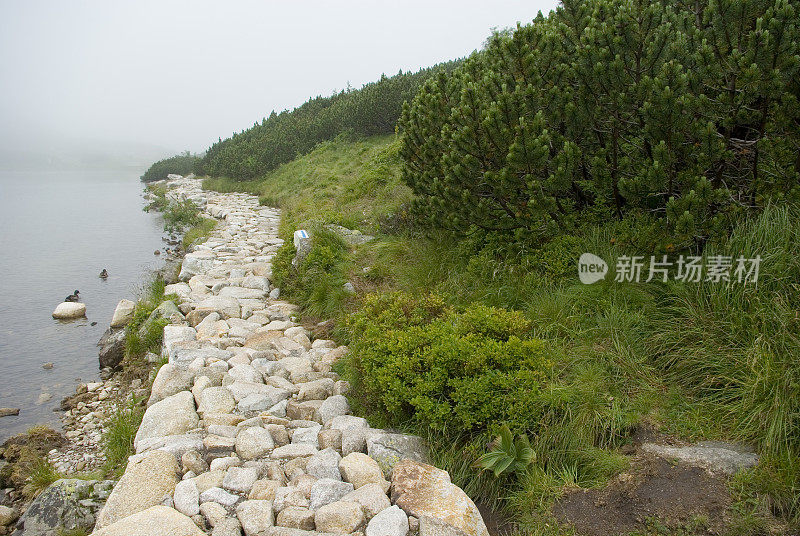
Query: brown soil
x,y
652,493
496,523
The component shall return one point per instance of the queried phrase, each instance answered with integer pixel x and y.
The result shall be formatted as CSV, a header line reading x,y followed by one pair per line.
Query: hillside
x,y
600,129
646,348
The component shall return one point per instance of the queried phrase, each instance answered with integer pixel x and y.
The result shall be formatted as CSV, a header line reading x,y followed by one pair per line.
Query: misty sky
x,y
181,74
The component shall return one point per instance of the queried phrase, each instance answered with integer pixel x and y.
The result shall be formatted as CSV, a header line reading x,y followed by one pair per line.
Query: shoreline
x,y
247,426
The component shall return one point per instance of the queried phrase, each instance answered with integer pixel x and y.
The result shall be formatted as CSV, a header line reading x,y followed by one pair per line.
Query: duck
x,y
72,297
104,274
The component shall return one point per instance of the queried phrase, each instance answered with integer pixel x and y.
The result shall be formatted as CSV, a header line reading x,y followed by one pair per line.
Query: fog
x,y
167,76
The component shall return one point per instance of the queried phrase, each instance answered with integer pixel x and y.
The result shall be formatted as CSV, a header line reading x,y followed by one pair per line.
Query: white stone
x,y
333,406
169,381
339,517
175,415
389,522
255,516
327,490
187,498
253,442
216,400
219,495
359,469
123,313
371,497
69,310
324,464
240,479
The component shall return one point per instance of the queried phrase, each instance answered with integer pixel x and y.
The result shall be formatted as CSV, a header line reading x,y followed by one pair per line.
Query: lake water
x,y
57,231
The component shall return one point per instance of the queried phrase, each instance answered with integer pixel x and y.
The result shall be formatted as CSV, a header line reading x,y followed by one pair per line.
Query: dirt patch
x,y
653,493
496,523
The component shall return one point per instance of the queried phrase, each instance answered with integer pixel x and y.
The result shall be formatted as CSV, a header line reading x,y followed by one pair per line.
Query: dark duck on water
x,y
72,297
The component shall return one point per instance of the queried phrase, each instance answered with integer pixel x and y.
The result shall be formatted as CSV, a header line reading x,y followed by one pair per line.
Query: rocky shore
x,y
247,428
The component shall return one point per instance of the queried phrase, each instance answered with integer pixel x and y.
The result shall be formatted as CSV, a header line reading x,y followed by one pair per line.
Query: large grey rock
x,y
242,293
388,449
257,282
714,456
174,444
154,520
195,263
213,512
307,434
297,450
226,307
67,504
245,373
184,356
227,527
123,313
389,522
169,381
327,490
175,415
145,483
219,495
423,490
296,517
112,348
324,464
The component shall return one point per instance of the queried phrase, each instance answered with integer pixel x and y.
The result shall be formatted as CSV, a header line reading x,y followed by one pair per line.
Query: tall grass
x,y
199,231
119,435
142,336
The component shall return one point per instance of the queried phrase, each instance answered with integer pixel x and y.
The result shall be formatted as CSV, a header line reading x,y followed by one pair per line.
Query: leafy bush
x,y
508,455
182,164
467,371
687,111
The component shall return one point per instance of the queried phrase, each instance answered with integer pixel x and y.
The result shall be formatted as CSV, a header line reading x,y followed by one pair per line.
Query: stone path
x,y
248,430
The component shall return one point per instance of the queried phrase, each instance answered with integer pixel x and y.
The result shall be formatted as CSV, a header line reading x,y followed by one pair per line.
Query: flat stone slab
x,y
713,456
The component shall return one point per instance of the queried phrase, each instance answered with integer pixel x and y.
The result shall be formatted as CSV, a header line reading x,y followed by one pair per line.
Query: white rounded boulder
x,y
68,310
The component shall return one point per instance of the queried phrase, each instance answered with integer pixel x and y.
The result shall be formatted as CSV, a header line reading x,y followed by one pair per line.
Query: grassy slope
x,y
619,367
351,183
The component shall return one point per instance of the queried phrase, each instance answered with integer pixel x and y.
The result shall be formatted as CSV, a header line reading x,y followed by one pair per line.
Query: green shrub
x,y
181,164
605,108
466,371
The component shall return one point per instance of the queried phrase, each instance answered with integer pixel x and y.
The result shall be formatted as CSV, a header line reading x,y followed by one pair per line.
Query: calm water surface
x,y
57,231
